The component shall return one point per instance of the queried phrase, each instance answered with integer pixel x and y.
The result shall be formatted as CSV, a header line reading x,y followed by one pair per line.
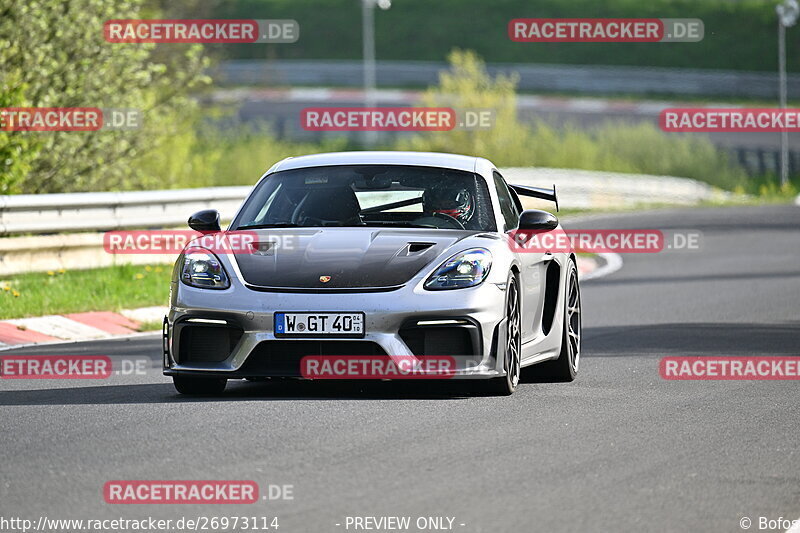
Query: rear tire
x,y
199,386
565,368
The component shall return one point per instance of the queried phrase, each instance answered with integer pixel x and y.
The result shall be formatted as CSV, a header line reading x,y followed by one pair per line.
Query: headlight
x,y
203,269
465,269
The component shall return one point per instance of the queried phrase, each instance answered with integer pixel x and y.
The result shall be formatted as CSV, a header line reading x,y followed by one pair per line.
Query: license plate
x,y
319,324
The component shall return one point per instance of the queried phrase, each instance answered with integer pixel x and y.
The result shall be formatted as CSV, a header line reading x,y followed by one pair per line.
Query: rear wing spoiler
x,y
537,192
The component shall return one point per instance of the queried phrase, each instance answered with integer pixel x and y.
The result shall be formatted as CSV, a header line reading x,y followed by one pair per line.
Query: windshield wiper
x,y
274,225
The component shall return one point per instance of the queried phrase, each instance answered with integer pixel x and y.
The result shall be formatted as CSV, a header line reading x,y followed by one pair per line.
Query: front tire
x,y
199,386
507,384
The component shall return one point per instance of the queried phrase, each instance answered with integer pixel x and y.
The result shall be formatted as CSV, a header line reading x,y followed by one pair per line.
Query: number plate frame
x,y
307,334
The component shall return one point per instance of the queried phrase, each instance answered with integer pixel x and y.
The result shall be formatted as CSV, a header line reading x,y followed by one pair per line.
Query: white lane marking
x,y
796,527
613,263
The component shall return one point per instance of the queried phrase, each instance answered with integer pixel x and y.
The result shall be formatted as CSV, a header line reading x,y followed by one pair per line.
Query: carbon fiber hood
x,y
350,257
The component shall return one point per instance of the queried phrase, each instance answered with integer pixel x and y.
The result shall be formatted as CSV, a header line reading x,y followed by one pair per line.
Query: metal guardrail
x,y
759,161
587,79
589,189
102,211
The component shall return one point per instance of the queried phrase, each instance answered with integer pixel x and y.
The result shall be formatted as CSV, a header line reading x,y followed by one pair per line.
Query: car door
x,y
532,264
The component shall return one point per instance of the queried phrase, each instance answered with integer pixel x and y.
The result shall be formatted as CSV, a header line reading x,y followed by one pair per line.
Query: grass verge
x,y
75,291
154,325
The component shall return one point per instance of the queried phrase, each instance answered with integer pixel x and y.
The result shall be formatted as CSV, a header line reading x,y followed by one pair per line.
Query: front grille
x,y
207,343
282,357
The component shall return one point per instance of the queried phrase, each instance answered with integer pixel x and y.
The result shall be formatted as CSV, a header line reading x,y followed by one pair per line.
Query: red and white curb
x,y
76,326
586,265
611,262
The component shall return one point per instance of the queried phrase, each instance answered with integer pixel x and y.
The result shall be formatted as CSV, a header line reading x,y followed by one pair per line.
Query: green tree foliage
x,y
53,54
17,152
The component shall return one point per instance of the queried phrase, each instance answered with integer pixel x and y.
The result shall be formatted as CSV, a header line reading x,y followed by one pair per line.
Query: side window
x,y
508,207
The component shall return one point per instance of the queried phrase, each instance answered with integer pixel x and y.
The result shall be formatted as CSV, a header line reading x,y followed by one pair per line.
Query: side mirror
x,y
205,221
534,219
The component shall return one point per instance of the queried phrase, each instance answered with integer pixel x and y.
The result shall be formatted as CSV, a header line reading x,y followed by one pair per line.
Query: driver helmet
x,y
457,202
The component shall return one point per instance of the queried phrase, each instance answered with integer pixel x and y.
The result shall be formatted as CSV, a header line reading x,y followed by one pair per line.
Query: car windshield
x,y
369,195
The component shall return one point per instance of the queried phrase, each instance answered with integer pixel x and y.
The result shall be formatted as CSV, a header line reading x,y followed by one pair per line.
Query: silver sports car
x,y
394,256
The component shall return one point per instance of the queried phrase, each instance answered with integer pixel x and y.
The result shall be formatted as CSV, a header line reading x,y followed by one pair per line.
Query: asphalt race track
x,y
618,450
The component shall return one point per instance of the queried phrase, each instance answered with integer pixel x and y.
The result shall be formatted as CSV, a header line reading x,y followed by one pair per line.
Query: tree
x,y
467,86
53,54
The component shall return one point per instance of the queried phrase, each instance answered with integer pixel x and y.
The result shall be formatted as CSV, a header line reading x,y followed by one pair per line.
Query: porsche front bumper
x,y
251,349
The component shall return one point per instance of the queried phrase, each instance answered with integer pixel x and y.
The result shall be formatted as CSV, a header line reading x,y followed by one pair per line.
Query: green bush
x,y
640,148
221,158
